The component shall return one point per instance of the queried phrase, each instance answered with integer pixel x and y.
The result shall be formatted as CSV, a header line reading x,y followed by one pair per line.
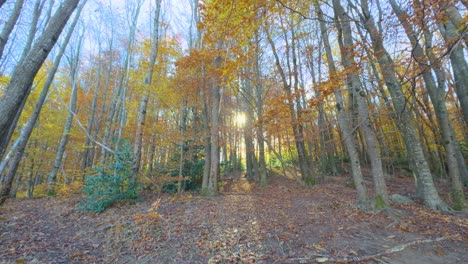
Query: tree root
x,y
394,249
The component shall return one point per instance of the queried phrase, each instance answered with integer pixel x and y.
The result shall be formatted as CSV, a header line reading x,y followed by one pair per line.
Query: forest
x,y
222,131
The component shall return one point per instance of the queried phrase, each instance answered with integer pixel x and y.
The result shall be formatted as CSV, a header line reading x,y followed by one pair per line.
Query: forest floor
x,y
282,223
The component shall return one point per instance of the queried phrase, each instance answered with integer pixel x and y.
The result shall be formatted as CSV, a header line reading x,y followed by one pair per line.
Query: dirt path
x,y
284,223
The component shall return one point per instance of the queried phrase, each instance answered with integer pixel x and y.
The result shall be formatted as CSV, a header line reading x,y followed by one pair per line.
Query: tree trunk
x,y
31,35
19,87
348,137
144,100
9,25
294,115
259,107
437,95
355,86
74,67
216,96
406,125
86,154
457,57
29,127
207,139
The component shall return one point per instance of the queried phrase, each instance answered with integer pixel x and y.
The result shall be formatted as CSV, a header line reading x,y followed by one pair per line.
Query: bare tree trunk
x,y
294,115
348,137
457,56
304,159
259,106
32,33
9,25
29,127
355,86
117,112
437,95
86,162
144,100
19,87
326,146
182,129
74,68
216,97
247,109
406,125
206,133
108,122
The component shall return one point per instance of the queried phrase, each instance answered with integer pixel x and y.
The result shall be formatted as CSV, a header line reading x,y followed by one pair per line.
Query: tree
x,y
73,62
9,25
148,81
452,35
343,119
19,87
290,86
31,124
356,89
406,123
437,95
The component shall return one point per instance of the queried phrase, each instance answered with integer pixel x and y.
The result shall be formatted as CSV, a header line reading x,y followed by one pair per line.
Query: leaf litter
x,y
282,223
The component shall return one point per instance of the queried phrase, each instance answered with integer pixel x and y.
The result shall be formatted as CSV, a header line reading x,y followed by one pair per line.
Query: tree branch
x,y
394,249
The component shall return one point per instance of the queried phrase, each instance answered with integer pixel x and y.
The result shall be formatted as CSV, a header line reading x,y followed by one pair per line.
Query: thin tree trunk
x,y
33,29
144,100
9,25
86,154
19,87
74,68
182,129
407,124
457,57
29,127
216,97
260,139
437,95
346,45
348,137
297,128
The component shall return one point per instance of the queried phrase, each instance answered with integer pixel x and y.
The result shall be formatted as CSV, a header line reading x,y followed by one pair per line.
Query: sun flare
x,y
241,119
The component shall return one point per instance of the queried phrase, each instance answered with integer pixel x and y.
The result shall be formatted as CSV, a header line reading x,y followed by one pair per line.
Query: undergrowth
x,y
110,185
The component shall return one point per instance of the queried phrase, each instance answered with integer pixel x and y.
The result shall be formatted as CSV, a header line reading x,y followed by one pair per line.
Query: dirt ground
x,y
283,223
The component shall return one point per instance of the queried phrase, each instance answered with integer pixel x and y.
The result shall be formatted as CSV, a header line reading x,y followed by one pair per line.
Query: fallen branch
x,y
397,248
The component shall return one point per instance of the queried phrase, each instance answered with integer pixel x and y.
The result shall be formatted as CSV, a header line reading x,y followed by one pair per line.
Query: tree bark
x,y
19,87
74,68
294,115
407,124
87,160
216,97
437,95
457,56
259,108
29,127
355,86
343,119
144,100
9,25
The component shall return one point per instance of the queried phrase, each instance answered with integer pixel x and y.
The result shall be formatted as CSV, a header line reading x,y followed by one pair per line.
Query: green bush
x,y
192,169
110,185
309,181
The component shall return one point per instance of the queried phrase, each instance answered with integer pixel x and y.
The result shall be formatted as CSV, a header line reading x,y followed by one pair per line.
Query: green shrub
x,y
192,169
310,181
110,185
